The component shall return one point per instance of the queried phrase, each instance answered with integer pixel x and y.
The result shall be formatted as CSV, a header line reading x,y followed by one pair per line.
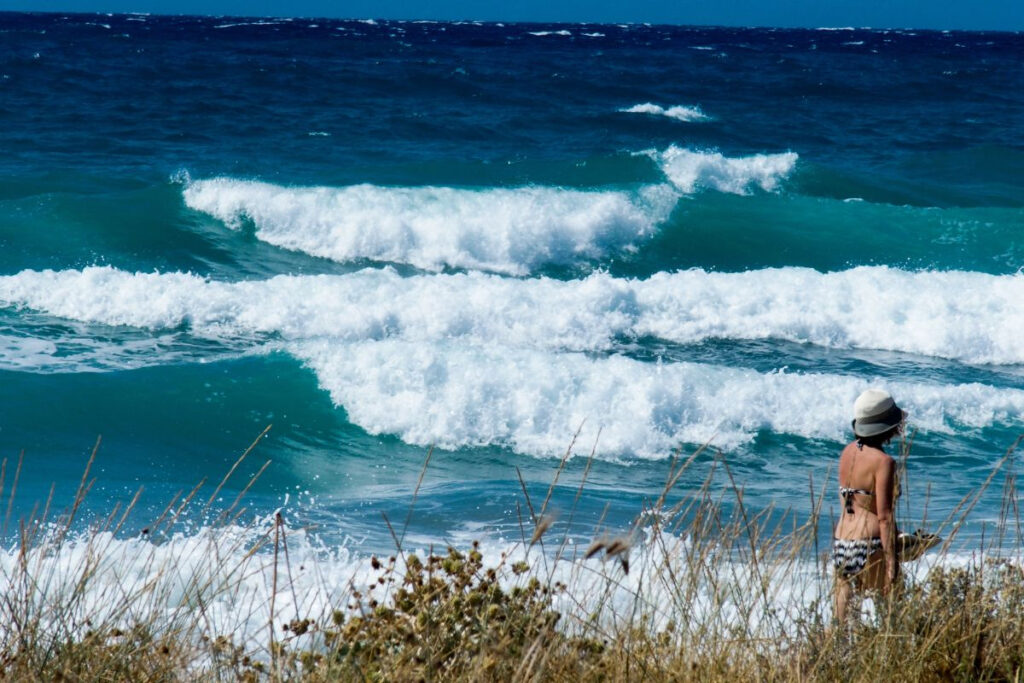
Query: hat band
x,y
893,416
878,424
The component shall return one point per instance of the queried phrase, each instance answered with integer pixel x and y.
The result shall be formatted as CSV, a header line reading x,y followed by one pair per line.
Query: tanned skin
x,y
871,469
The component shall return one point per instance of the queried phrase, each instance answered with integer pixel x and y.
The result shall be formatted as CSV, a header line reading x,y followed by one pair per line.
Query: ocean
x,y
462,268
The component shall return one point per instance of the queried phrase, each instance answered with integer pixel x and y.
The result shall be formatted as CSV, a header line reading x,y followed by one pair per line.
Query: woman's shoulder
x,y
867,453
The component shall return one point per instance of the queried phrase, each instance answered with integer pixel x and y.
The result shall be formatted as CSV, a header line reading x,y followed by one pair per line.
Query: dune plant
x,y
700,588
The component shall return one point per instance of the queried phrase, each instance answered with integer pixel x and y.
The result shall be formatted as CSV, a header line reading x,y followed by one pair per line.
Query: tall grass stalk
x,y
702,588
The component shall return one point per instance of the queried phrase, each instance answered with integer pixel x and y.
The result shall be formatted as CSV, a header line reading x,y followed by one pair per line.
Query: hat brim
x,y
879,424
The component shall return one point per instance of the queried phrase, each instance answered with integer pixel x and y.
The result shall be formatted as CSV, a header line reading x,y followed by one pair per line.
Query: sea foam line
x,y
963,316
477,360
94,581
532,402
101,582
678,112
691,171
74,352
509,231
505,230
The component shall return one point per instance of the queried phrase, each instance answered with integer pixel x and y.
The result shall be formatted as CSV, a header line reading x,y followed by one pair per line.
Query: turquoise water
x,y
480,240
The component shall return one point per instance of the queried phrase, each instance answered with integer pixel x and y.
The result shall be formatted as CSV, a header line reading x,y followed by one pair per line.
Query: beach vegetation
x,y
700,589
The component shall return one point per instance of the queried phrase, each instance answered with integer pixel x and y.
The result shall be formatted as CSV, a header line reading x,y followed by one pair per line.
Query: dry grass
x,y
692,593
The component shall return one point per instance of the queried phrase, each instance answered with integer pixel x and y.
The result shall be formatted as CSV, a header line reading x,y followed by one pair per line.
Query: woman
x,y
864,549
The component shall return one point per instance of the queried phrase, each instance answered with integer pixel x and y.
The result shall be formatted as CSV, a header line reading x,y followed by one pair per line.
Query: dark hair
x,y
879,440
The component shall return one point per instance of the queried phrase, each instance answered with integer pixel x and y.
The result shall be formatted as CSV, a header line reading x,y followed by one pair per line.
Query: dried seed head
x,y
543,524
617,546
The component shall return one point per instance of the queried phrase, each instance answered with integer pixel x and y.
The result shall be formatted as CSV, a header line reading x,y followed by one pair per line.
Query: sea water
x,y
452,264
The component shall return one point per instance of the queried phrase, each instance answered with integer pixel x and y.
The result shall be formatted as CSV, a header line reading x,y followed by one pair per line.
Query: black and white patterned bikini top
x,y
848,493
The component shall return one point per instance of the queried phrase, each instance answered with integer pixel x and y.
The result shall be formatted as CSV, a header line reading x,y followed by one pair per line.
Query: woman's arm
x,y
885,478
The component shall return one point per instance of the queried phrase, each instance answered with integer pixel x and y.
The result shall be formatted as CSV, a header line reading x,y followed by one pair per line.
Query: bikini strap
x,y
848,494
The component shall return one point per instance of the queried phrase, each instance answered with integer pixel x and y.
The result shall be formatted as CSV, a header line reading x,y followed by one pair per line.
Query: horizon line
x,y
559,22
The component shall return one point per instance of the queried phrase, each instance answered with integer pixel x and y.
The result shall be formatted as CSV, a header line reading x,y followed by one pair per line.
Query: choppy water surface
x,y
487,239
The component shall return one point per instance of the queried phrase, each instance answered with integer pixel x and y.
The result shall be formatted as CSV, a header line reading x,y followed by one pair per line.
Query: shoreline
x,y
696,590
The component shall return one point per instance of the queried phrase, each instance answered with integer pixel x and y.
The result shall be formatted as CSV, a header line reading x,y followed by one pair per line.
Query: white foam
x,y
99,582
79,353
454,395
475,359
503,230
964,316
19,353
113,297
562,32
691,171
251,23
679,113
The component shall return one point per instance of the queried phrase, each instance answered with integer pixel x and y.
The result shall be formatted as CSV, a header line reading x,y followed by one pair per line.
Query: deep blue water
x,y
383,238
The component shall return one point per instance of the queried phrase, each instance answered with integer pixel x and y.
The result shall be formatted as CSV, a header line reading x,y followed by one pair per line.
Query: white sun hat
x,y
875,412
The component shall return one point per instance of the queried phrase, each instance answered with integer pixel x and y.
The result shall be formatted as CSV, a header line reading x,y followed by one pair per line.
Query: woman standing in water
x,y
864,548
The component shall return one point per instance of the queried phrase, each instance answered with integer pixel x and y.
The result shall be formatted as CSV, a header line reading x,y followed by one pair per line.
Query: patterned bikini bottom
x,y
849,555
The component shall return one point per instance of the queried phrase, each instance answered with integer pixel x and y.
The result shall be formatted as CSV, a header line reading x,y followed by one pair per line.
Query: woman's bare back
x,y
867,480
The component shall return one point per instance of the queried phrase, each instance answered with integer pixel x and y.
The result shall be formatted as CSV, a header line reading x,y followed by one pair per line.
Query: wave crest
x,y
511,231
457,396
968,317
679,112
692,171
